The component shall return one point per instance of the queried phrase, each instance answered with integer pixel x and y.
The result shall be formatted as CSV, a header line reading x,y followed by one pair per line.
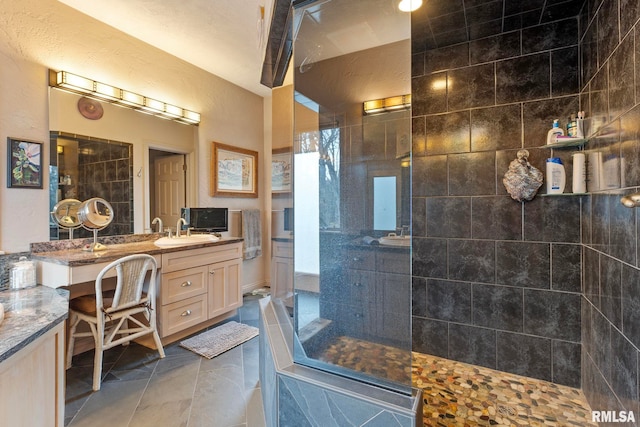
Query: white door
x,y
170,188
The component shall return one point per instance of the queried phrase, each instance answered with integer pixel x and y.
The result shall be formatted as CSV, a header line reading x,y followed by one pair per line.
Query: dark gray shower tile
x,y
419,296
523,264
429,176
565,267
586,221
564,72
566,363
440,139
418,217
424,98
515,7
596,389
430,337
449,301
524,355
600,218
417,63
589,55
498,307
485,29
522,79
552,219
587,330
630,147
471,344
564,9
621,79
429,257
601,342
591,274
471,87
496,128
599,100
496,217
553,35
453,19
552,314
99,173
538,118
455,36
607,29
449,217
446,58
624,370
472,174
631,13
418,136
506,45
123,169
631,303
622,231
472,260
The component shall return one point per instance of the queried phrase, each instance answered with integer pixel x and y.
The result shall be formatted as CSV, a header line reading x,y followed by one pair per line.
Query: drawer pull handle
x,y
186,284
357,284
358,316
357,259
212,272
186,313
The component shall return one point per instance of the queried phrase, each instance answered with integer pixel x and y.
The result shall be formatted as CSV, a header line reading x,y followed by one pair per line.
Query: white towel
x,y
251,233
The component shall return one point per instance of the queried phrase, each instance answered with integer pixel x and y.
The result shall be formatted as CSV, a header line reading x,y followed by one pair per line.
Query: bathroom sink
x,y
395,240
194,239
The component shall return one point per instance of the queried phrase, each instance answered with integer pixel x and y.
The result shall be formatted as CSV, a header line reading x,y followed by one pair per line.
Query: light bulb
x,y
409,5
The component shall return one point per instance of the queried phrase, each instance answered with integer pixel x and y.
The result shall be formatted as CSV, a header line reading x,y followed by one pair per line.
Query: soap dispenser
x,y
555,131
556,178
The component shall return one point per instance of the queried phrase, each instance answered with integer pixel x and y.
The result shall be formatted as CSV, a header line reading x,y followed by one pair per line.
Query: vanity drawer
x,y
178,285
188,258
183,314
361,259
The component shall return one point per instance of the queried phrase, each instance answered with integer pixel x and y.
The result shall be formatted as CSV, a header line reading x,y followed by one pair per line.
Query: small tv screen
x,y
207,219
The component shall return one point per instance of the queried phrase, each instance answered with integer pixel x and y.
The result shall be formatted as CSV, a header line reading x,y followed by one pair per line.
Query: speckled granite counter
x,y
75,256
29,313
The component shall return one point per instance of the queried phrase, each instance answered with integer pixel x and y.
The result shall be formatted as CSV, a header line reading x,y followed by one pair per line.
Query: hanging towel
x,y
251,233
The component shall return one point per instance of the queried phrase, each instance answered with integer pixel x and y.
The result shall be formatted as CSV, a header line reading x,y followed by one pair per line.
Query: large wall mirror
x,y
83,167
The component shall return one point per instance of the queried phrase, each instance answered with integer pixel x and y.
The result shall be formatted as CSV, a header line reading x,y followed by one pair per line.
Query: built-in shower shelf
x,y
566,143
563,194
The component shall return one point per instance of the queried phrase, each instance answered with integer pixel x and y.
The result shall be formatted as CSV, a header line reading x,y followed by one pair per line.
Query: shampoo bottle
x,y
556,177
556,130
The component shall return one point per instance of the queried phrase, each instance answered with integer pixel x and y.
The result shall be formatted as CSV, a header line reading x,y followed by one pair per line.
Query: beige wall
x,y
42,34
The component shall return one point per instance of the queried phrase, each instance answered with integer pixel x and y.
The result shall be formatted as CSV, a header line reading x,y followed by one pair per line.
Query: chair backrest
x,y
131,271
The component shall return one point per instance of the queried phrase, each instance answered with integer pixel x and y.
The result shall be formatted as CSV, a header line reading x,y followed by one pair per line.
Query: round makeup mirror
x,y
65,214
95,214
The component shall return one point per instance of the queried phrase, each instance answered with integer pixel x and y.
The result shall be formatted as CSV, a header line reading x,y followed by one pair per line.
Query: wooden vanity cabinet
x,y
197,285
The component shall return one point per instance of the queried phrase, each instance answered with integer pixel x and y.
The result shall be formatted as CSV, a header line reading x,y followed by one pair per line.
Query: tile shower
x,y
549,288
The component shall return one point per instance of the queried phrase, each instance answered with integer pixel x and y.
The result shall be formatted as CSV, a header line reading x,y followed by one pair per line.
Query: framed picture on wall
x,y
24,163
234,171
281,170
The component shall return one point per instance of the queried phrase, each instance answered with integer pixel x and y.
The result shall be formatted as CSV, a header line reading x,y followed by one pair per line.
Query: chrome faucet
x,y
158,221
181,221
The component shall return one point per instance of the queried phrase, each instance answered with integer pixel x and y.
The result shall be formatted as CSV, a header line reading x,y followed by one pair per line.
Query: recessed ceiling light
x,y
409,5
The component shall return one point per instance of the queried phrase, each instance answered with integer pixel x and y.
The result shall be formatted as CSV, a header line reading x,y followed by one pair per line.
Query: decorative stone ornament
x,y
522,180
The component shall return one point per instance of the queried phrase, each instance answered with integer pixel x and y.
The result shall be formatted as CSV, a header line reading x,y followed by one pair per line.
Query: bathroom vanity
x,y
198,284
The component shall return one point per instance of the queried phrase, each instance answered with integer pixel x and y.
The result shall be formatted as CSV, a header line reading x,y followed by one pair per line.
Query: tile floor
x,y
184,389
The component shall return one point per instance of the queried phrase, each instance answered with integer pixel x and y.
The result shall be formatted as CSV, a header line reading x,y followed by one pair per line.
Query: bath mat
x,y
220,339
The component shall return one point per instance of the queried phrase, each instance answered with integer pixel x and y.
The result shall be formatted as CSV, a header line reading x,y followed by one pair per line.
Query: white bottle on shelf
x,y
579,181
555,131
556,177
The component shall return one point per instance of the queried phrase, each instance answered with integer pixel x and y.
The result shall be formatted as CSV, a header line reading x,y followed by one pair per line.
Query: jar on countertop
x,y
23,274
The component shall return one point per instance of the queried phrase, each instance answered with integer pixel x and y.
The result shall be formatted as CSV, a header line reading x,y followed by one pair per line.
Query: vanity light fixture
x,y
401,102
409,5
81,85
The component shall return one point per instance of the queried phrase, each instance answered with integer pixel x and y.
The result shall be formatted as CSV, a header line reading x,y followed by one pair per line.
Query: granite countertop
x,y
76,257
29,313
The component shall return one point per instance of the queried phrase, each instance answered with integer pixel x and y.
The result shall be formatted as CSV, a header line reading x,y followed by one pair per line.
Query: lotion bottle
x,y
556,130
556,177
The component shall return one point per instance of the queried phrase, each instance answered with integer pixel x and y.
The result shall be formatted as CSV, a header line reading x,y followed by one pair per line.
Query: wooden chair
x,y
115,317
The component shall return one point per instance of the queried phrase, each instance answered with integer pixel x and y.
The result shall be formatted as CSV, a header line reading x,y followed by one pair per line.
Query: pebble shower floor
x,y
457,394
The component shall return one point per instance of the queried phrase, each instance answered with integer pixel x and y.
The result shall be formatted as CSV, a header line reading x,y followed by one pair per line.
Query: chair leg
x,y
156,339
73,322
97,359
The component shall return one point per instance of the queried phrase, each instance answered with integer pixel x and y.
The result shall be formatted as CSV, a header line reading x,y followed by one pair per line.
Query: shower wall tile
x,y
565,267
425,99
599,98
524,355
449,301
624,370
566,363
538,118
418,137
429,257
564,71
498,307
471,87
430,176
419,296
472,260
496,217
472,174
552,314
553,35
502,46
418,217
429,336
608,27
601,342
516,83
552,219
523,264
631,304
446,58
622,232
589,52
611,290
473,345
449,217
621,83
496,128
591,276
440,139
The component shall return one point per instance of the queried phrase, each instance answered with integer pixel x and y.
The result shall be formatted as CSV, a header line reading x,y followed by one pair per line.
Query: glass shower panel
x,y
352,286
